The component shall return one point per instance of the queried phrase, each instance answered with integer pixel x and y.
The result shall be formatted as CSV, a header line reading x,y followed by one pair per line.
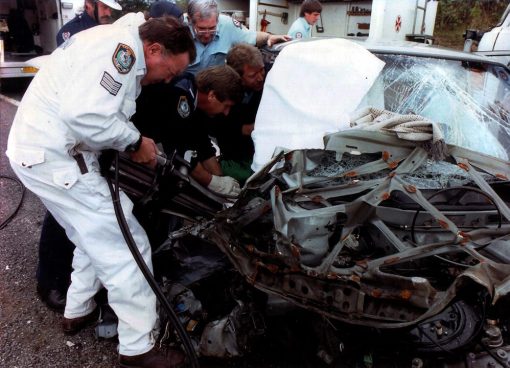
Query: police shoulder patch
x,y
183,107
236,23
299,35
123,58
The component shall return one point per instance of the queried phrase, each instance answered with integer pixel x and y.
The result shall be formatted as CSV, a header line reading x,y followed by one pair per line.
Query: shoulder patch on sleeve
x,y
183,107
299,35
236,23
123,58
66,35
110,84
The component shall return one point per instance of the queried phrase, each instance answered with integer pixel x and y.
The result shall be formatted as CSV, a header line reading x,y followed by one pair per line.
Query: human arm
x,y
145,153
204,170
98,100
216,183
264,38
246,129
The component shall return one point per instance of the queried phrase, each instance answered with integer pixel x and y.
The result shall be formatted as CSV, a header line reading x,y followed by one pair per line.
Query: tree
x,y
129,6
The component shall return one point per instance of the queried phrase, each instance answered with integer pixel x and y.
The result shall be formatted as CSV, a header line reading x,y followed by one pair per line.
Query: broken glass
x,y
470,102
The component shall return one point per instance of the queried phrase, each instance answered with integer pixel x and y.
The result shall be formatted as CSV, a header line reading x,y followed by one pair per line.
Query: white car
x,y
369,248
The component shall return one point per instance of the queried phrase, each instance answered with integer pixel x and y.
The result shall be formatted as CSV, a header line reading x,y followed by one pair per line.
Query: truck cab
x,y
496,42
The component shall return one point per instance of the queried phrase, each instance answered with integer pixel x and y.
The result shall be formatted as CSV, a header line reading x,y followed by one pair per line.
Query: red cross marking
x,y
398,23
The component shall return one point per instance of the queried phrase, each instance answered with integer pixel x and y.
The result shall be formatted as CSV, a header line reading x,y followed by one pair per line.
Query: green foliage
x,y
469,14
183,4
129,6
454,17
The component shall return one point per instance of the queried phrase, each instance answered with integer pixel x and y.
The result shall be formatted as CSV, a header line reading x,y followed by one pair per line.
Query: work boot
x,y
153,359
53,298
72,326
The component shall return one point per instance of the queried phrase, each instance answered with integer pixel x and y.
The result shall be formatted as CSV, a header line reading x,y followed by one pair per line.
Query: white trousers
x,y
102,257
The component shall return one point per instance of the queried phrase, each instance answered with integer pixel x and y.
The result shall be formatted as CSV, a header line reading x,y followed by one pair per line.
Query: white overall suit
x,y
80,102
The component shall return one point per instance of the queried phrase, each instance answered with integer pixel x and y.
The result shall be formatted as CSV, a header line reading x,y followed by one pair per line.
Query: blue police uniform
x,y
300,29
79,23
229,32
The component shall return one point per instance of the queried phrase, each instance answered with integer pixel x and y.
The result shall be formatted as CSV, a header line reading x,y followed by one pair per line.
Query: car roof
x,y
407,48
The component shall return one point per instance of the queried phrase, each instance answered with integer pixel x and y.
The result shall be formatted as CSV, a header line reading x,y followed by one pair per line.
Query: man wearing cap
x,y
216,33
162,8
95,12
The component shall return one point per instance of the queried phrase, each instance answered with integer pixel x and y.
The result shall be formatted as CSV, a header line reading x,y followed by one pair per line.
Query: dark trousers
x,y
55,256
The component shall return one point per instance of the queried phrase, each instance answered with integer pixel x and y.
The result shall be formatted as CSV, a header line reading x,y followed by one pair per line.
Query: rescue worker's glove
x,y
224,185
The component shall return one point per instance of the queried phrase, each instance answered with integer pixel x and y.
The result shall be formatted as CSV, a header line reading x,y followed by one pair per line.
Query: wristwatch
x,y
133,147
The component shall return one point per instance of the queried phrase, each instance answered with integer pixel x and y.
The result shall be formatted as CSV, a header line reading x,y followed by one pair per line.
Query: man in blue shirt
x,y
309,13
215,34
95,12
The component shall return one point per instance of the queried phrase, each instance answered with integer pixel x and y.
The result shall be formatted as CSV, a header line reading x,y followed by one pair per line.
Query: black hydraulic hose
x,y
124,227
13,213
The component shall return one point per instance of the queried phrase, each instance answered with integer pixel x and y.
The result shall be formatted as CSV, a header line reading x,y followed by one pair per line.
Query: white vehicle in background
x,y
496,42
29,29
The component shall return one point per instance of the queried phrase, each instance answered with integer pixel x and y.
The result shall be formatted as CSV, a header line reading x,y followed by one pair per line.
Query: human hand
x,y
146,154
273,39
224,185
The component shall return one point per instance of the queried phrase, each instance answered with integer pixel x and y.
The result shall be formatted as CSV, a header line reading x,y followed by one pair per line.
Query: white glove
x,y
224,185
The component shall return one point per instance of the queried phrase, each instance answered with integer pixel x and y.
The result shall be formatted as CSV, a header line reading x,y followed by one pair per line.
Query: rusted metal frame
x,y
390,235
366,141
368,168
415,159
263,171
283,212
414,290
494,166
250,215
355,187
415,194
482,184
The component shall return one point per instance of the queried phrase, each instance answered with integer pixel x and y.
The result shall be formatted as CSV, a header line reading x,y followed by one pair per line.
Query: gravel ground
x,y
30,334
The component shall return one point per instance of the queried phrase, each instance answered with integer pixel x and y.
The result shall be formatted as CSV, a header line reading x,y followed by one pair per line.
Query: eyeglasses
x,y
205,31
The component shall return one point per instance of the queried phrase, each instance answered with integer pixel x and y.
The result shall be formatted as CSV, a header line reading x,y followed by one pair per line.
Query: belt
x,y
81,163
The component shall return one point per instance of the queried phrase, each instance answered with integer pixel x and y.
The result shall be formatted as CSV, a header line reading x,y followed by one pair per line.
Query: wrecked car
x,y
373,251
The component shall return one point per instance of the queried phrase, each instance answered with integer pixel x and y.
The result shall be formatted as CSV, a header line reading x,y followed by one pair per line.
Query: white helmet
x,y
112,4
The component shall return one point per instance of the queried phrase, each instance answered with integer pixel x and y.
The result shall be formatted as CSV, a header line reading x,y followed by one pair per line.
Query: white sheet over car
x,y
310,91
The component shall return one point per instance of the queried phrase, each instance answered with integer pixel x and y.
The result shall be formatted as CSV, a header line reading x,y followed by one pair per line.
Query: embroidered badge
x,y
299,35
183,107
236,23
110,84
123,58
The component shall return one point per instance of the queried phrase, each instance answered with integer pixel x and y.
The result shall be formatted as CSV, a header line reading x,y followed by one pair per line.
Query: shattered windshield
x,y
469,101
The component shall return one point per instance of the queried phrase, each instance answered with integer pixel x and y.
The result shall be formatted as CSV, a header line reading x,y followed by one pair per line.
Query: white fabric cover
x,y
310,91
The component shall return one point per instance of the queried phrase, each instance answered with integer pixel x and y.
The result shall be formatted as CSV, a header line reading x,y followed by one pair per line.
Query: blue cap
x,y
161,8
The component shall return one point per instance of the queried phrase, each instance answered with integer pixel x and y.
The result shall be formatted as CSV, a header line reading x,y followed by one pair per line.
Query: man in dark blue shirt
x,y
95,12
